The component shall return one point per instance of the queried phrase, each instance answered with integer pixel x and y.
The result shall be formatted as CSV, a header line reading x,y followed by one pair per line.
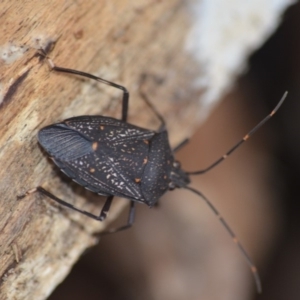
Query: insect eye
x,y
176,164
172,185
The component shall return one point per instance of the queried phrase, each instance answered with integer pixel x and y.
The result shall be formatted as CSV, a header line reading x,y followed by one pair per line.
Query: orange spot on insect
x,y
92,170
95,146
146,142
137,180
102,127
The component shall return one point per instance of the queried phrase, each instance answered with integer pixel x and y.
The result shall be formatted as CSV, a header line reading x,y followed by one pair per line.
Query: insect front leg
x,y
145,98
101,217
125,98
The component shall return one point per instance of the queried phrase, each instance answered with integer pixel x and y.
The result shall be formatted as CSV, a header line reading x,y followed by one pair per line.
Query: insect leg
x,y
162,126
125,99
129,223
101,217
181,145
105,208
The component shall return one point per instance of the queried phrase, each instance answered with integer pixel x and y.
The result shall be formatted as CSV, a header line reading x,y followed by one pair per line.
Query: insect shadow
x,y
111,157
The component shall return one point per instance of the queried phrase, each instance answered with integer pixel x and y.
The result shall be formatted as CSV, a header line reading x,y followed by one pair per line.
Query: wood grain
x,y
120,41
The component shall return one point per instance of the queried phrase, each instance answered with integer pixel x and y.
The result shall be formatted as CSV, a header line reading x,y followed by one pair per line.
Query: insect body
x,y
111,157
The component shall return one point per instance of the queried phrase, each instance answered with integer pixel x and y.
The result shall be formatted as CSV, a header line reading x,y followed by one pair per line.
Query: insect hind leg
x,y
102,216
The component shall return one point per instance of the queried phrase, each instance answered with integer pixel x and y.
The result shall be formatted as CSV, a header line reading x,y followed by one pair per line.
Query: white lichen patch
x,y
11,52
223,35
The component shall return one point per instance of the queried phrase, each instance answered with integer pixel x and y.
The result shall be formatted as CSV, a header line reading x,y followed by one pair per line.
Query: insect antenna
x,y
244,139
233,236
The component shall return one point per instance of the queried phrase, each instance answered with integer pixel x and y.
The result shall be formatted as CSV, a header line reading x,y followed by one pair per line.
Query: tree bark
x,y
116,40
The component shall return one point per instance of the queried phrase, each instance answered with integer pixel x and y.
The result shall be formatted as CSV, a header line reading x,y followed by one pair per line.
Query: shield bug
x,y
111,157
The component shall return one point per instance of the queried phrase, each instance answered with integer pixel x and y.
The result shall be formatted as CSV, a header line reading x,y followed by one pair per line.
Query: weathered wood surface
x,y
117,40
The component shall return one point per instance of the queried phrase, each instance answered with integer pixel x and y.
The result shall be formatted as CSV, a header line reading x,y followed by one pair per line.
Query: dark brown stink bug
x,y
111,157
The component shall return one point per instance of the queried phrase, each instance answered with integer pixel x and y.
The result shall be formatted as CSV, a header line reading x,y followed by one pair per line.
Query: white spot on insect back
x,y
128,189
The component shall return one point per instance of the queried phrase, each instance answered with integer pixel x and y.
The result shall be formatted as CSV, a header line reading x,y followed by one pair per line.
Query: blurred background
x,y
263,176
